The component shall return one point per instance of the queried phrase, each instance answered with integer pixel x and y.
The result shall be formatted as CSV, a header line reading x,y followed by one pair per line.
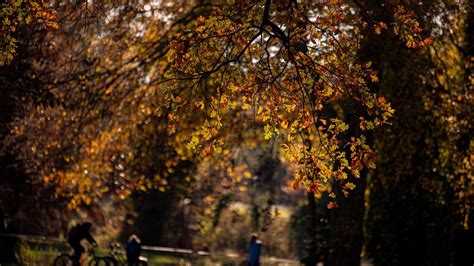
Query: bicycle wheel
x,y
63,260
100,262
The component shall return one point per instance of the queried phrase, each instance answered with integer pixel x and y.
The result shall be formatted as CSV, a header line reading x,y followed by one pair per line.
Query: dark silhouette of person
x,y
75,236
254,251
133,250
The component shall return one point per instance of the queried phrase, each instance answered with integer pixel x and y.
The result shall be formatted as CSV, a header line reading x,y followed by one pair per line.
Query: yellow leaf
x,y
350,185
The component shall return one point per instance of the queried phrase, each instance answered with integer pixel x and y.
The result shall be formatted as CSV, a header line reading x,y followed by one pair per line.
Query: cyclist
x,y
75,236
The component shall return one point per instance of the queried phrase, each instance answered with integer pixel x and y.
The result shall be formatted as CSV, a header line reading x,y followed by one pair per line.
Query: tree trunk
x,y
345,230
346,237
311,247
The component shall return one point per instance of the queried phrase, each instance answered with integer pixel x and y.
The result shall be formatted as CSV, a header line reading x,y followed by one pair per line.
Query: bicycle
x,y
66,259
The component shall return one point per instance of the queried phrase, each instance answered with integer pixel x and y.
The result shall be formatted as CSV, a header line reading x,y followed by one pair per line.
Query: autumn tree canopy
x,y
367,103
195,77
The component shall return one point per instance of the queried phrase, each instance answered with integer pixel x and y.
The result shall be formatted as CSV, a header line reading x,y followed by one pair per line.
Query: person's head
x,y
253,239
133,237
87,225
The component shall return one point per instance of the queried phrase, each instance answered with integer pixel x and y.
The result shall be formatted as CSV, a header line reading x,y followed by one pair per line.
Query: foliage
x,y
15,14
421,195
133,96
190,84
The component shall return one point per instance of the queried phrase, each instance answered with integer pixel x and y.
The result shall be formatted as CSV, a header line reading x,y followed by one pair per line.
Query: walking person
x,y
133,250
255,249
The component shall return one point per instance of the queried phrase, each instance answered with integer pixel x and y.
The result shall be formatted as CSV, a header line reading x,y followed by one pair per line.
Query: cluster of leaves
x,y
287,80
408,28
14,15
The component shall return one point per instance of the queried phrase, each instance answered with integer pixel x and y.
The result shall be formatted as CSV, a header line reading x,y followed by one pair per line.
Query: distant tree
x,y
420,195
22,23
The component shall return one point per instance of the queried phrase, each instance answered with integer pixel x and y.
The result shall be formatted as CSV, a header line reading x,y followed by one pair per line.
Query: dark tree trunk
x,y
346,237
464,237
406,225
311,247
345,230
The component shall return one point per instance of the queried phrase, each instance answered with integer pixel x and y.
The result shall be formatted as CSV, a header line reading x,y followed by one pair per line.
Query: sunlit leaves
x,y
290,86
18,13
408,28
143,94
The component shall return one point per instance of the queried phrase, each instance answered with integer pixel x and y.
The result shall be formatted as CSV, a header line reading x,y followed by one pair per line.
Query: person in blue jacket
x,y
254,251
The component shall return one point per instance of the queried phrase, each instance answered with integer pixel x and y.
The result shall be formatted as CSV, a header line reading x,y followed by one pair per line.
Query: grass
x,y
41,253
